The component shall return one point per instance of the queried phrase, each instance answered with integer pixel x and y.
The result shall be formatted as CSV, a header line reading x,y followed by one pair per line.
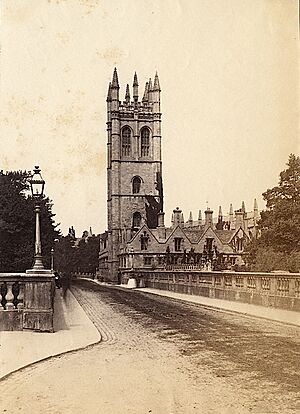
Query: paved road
x,y
164,356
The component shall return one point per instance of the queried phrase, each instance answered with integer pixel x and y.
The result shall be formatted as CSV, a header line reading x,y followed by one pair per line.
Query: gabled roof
x,y
212,230
193,235
236,231
178,230
225,235
142,229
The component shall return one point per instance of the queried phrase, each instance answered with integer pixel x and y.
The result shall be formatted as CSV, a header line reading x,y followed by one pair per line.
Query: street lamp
x,y
37,190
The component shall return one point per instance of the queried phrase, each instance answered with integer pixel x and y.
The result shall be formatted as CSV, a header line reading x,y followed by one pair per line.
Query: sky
x,y
230,96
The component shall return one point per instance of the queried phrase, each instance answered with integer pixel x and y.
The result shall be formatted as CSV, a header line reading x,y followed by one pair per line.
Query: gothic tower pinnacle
x,y
134,173
135,88
127,94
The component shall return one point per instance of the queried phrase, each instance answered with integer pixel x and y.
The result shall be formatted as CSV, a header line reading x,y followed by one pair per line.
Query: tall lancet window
x,y
145,142
136,185
126,141
136,220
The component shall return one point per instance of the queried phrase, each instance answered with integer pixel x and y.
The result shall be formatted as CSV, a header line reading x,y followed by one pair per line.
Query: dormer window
x,y
136,185
209,244
145,142
177,244
126,141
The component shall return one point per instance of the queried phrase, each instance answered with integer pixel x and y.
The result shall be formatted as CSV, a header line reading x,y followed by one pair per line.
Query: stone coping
x,y
213,272
26,276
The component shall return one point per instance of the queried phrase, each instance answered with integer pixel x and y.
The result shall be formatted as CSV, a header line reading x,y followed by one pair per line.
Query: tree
x,y
81,255
17,224
279,244
65,260
88,254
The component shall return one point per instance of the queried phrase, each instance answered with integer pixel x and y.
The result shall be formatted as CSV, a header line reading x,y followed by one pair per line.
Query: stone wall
x,y
280,290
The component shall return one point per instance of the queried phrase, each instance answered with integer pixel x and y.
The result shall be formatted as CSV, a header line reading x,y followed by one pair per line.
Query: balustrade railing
x,y
87,275
184,267
266,283
239,281
251,282
11,295
228,280
280,289
26,301
283,285
297,288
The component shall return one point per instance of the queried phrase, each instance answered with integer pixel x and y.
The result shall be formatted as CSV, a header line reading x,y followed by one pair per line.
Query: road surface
x,y
163,356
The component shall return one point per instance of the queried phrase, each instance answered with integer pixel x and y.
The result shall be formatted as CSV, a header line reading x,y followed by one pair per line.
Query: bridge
x,y
159,355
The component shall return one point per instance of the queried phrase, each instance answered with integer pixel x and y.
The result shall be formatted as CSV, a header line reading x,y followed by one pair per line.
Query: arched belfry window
x,y
136,219
136,185
126,141
145,142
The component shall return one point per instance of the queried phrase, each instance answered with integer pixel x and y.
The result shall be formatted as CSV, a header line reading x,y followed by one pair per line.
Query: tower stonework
x,y
134,165
137,238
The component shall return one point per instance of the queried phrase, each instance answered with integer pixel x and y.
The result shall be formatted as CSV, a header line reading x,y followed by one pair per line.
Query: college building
x,y
137,237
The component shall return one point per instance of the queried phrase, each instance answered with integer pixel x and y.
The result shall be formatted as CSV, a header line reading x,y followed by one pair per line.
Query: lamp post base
x,y
38,267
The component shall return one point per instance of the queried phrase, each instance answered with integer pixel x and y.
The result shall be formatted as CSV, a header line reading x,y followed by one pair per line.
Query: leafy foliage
x,y
76,256
64,255
17,224
88,254
279,244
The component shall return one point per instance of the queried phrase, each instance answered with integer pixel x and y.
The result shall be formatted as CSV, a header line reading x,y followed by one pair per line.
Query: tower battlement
x,y
149,104
134,173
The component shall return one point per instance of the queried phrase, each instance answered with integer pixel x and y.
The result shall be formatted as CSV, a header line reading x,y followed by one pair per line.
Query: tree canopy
x,y
278,247
79,255
17,224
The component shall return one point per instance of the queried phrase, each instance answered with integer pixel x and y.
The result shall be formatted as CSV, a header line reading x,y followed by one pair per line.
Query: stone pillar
x,y
39,293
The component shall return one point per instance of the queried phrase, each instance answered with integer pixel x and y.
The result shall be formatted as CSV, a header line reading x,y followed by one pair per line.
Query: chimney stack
x,y
161,225
177,217
208,218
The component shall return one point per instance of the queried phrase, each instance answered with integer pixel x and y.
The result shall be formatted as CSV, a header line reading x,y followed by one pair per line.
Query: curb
x,y
5,376
49,357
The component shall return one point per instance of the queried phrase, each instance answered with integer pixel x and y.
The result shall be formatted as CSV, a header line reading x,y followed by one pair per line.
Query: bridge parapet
x,y
278,289
26,301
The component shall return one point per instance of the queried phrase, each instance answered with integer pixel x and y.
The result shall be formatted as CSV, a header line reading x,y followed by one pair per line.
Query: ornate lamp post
x,y
37,190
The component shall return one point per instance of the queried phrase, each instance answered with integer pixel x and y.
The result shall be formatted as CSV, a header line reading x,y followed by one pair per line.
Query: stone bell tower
x,y
134,170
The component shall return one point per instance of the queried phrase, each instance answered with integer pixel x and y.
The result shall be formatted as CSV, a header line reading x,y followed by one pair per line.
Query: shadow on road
x,y
257,348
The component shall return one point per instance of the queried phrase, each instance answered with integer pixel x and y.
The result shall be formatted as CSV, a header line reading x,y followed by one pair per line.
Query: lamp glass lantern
x,y
37,184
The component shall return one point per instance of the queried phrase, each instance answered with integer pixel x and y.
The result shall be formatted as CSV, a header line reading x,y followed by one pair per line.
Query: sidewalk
x,y
275,314
73,330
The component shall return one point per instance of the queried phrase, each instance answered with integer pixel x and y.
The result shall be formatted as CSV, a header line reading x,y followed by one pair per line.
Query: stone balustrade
x,y
86,275
26,301
186,266
278,289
